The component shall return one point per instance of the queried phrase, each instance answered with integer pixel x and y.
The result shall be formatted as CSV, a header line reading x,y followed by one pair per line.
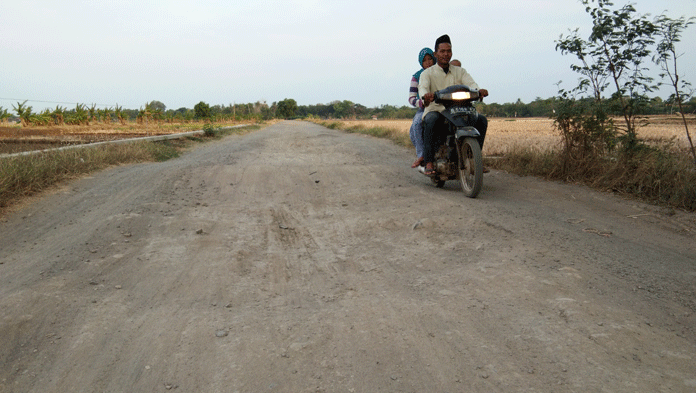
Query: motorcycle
x,y
459,158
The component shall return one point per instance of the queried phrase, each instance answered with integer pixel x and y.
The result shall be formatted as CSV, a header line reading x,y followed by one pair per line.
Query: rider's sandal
x,y
417,163
429,171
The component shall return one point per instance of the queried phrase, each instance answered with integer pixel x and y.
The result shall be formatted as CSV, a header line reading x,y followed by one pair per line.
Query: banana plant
x,y
59,115
42,119
145,115
93,112
77,116
140,118
3,114
120,114
24,112
105,115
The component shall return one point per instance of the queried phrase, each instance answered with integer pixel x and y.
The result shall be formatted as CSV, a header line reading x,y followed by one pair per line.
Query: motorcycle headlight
x,y
462,95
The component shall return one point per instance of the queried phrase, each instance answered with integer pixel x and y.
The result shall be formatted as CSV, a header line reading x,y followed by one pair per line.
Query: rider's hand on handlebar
x,y
428,98
483,93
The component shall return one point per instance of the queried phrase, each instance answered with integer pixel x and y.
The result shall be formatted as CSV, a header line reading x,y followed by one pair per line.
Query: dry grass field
x,y
505,134
14,138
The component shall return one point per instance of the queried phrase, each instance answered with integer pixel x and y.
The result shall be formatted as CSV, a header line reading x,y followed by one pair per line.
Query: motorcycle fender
x,y
467,131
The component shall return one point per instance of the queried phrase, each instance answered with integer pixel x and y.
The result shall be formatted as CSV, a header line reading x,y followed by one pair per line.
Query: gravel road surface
x,y
302,259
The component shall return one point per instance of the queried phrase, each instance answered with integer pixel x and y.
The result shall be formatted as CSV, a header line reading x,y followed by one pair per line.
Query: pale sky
x,y
181,52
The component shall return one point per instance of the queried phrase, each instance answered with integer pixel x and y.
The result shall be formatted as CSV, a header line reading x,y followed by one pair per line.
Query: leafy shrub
x,y
209,130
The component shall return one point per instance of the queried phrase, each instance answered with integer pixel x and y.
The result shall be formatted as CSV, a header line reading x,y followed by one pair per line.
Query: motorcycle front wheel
x,y
470,166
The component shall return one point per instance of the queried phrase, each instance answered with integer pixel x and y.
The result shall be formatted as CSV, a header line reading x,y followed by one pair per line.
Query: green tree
x,y
344,109
669,31
361,111
155,108
614,55
286,108
690,106
202,111
157,105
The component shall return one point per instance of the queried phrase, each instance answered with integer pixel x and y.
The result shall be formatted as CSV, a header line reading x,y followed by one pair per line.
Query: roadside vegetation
x,y
25,175
604,150
397,136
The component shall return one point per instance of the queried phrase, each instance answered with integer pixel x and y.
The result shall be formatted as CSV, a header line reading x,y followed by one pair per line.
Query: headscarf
x,y
421,57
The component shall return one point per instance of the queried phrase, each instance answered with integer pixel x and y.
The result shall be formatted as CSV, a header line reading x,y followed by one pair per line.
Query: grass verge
x,y
22,176
396,136
659,174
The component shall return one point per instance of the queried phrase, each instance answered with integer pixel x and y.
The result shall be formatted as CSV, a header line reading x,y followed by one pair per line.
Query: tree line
x,y
153,111
156,111
540,107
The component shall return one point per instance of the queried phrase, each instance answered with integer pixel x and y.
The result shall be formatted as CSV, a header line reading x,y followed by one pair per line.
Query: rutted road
x,y
302,259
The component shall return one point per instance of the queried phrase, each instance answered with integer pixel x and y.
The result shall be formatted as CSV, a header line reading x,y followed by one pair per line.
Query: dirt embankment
x,y
301,259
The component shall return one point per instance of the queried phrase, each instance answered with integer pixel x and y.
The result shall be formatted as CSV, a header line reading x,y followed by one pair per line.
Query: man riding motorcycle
x,y
435,78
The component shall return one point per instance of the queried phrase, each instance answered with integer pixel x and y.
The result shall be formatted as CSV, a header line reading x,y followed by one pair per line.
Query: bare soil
x,y
302,259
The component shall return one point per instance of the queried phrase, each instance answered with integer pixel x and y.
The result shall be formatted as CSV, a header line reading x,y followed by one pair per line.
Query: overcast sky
x,y
182,52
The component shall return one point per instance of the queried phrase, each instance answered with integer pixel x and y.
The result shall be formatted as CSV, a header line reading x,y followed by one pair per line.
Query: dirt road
x,y
302,259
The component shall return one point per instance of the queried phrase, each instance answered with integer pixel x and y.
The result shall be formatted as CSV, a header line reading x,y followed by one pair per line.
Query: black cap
x,y
442,40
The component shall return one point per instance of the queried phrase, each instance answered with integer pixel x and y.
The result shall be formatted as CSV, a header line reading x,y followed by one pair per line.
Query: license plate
x,y
462,109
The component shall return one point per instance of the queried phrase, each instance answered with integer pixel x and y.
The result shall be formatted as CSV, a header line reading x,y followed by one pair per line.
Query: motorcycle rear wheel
x,y
470,166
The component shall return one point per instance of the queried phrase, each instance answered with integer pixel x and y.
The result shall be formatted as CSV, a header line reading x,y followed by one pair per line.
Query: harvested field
x,y
505,134
14,139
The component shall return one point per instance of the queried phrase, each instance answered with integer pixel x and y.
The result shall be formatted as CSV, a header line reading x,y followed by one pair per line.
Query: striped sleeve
x,y
413,98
